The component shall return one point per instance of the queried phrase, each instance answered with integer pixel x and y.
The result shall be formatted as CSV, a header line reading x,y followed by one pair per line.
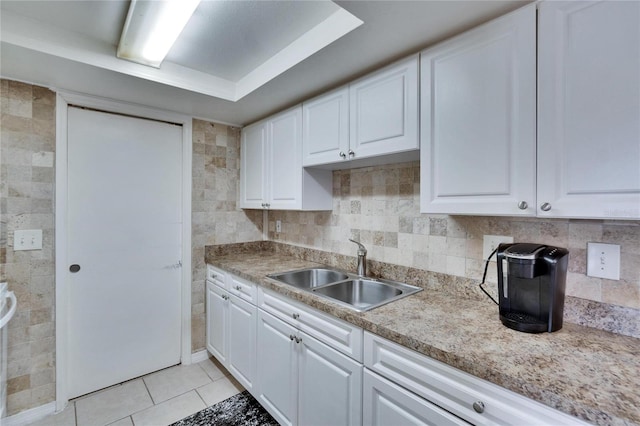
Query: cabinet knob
x,y
351,153
238,288
267,205
478,406
298,339
291,337
522,205
545,207
296,316
225,297
343,155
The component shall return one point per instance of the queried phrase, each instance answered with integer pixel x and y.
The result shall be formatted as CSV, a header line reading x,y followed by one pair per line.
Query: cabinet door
x,y
589,109
217,322
242,341
329,385
384,111
478,115
284,164
277,364
253,186
326,128
387,404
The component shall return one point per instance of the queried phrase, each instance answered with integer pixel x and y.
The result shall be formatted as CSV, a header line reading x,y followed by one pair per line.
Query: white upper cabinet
x,y
384,111
284,159
372,121
326,128
271,173
253,150
478,120
589,109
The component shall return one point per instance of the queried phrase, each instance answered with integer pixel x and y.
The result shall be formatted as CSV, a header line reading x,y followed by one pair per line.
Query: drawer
x,y
387,404
456,391
217,276
338,334
246,290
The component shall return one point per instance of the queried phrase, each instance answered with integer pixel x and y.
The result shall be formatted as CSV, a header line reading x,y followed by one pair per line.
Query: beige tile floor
x,y
156,399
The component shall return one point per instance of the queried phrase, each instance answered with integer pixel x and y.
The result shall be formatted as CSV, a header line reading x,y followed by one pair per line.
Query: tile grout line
x,y
148,392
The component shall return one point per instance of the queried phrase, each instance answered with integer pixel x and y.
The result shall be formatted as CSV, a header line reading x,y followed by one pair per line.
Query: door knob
x,y
74,268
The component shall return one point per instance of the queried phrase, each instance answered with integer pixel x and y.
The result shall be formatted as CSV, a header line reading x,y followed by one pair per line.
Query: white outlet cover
x,y
603,260
490,242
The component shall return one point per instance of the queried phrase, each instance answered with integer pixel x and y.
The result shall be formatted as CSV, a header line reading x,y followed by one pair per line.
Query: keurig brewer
x,y
531,284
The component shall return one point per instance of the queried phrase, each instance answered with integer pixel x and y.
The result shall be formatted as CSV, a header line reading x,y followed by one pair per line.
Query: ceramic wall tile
x,y
27,144
215,216
370,205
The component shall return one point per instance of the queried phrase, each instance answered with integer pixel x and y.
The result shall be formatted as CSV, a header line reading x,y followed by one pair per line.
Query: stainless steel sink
x,y
355,292
310,278
365,294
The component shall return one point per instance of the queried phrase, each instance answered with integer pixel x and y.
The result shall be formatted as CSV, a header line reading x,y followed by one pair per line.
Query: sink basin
x,y
350,290
310,278
365,294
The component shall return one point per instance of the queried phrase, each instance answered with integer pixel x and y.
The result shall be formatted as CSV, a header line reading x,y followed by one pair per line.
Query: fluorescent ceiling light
x,y
151,28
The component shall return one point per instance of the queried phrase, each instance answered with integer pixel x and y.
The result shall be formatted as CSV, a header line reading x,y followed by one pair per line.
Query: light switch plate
x,y
603,260
27,239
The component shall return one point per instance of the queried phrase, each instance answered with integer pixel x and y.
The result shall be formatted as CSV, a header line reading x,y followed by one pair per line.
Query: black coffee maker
x,y
531,284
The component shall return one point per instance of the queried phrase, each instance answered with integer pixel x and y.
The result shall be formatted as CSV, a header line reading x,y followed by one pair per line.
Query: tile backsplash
x,y
215,217
380,207
27,150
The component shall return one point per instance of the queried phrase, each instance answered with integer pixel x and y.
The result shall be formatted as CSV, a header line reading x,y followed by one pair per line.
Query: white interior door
x,y
124,232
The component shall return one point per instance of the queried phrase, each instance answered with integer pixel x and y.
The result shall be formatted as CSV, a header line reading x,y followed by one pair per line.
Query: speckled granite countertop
x,y
588,373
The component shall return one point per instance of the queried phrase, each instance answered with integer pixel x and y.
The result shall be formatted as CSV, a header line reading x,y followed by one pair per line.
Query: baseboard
x,y
199,356
30,416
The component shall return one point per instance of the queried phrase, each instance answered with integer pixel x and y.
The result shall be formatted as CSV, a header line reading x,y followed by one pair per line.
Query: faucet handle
x,y
362,250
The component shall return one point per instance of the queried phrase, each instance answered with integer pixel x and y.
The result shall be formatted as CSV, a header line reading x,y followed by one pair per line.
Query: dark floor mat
x,y
239,410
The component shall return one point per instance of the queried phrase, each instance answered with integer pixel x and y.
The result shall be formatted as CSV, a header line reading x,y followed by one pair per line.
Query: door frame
x,y
63,100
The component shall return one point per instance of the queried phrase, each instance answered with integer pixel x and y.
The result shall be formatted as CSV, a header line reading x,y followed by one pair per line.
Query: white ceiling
x,y
41,41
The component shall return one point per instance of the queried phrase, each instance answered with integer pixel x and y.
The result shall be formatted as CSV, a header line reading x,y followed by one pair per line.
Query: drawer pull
x,y
478,406
296,316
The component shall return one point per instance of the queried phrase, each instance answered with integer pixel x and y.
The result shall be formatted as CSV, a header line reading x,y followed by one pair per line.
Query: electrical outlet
x,y
27,239
603,260
278,226
491,242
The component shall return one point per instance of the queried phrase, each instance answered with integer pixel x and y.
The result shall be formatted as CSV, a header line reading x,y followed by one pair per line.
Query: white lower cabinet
x,y
231,329
242,341
329,385
303,381
387,404
277,368
217,322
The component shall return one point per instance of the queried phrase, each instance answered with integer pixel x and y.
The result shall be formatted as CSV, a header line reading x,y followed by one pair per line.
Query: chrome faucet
x,y
362,259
